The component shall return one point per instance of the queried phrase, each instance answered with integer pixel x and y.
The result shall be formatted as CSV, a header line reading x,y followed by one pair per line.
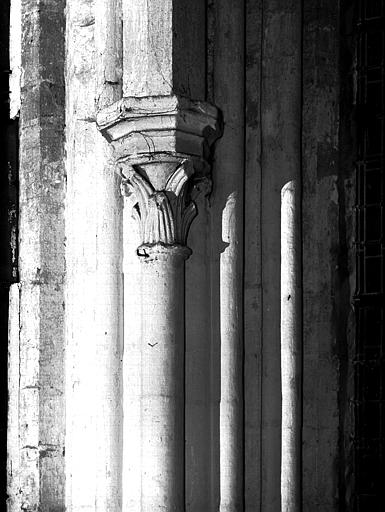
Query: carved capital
x,y
165,215
162,147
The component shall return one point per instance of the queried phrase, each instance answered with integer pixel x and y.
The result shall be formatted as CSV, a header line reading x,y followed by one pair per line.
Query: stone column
x,y
161,145
291,346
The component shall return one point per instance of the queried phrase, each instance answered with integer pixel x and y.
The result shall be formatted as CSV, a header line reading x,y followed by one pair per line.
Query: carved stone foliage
x,y
164,215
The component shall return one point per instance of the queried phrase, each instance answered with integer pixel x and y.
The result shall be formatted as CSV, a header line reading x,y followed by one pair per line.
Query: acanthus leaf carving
x,y
164,216
159,225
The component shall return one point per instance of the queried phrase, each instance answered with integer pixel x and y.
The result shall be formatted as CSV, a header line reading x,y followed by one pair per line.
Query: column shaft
x,y
162,385
291,347
131,474
199,396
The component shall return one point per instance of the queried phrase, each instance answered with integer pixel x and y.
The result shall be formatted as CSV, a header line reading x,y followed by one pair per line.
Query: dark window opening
x,y
369,368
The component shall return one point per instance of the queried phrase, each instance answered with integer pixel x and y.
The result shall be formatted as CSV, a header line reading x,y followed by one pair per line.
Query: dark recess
x,y
368,363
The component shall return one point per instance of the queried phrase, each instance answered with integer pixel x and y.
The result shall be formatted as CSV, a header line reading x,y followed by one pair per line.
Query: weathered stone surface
x,y
227,257
321,241
166,42
199,397
166,129
253,269
13,442
40,409
281,163
14,58
94,302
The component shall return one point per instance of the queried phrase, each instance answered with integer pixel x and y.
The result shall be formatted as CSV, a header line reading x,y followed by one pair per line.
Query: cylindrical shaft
x,y
131,454
231,406
162,382
291,347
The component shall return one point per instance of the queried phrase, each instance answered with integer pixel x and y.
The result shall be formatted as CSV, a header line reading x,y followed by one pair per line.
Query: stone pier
x,y
163,183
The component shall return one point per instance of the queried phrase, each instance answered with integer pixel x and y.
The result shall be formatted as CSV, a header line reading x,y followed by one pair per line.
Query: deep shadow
x,y
342,310
367,363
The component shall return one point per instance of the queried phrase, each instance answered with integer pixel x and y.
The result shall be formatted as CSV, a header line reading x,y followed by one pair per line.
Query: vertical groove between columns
x,y
261,254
